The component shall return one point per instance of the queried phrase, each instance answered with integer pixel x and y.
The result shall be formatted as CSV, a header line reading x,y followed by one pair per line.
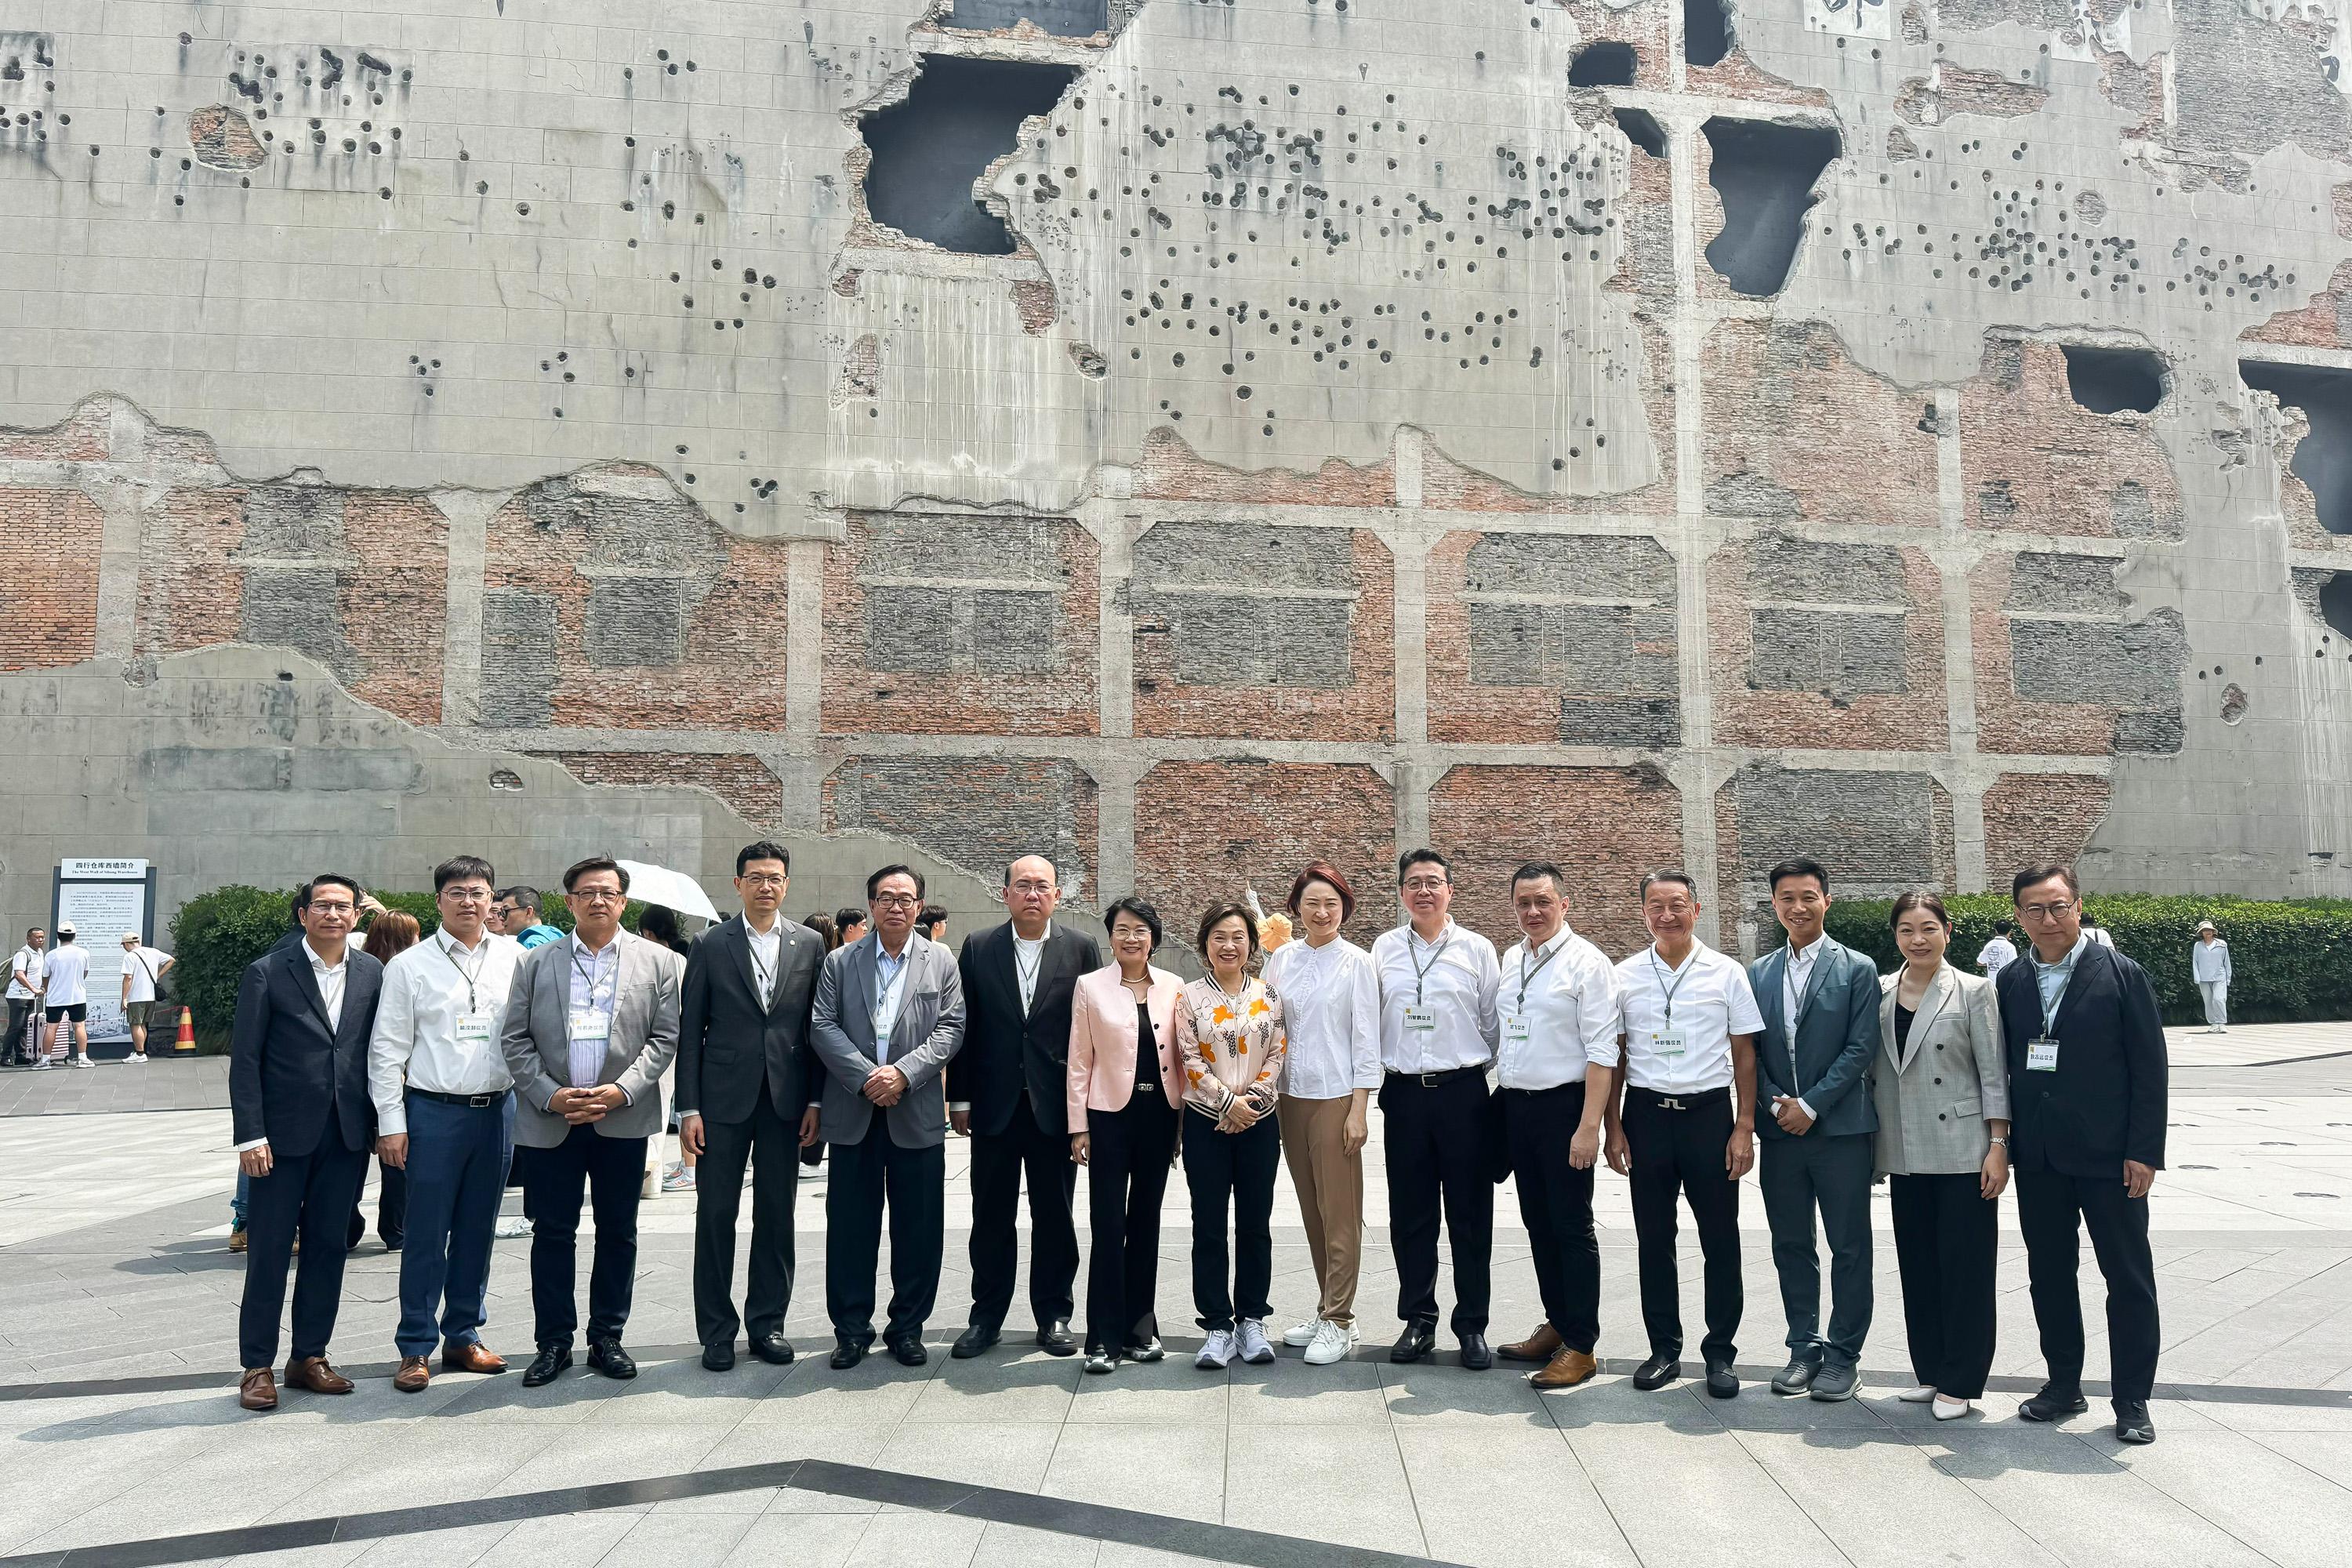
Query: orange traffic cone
x,y
185,1044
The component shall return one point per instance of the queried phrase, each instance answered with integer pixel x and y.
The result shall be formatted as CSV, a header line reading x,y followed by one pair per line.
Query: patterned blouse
x,y
1232,1046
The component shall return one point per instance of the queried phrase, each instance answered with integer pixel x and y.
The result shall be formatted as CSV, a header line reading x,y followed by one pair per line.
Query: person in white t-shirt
x,y
64,978
2000,951
142,968
25,972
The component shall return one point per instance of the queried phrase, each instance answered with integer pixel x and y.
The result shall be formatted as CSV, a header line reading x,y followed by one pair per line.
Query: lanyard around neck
x,y
1419,969
1680,975
448,946
1527,974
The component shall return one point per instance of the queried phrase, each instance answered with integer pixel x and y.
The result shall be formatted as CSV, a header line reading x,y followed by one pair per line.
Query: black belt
x,y
1431,1080
1693,1099
1575,1083
468,1101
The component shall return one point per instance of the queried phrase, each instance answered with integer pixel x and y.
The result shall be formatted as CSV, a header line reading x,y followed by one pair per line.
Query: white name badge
x,y
1422,1018
1516,1030
473,1028
2041,1055
590,1026
1668,1042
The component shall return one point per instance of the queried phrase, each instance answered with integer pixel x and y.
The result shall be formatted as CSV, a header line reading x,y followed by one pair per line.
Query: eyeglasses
x,y
761,879
897,901
318,906
1424,884
465,895
599,895
2045,911
1035,888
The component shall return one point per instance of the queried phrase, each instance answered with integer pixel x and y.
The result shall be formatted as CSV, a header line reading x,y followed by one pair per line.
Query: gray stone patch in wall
x,y
1540,613
2134,665
188,768
1840,655
2244,84
950,546
1653,723
1975,15
635,621
1753,495
301,607
1570,566
2065,585
1249,607
1063,18
2133,512
518,660
355,768
1815,572
956,810
2159,733
1875,831
291,520
950,593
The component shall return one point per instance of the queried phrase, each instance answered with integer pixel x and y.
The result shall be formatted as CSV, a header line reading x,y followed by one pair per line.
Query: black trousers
x,y
727,1148
1232,1171
611,1172
1947,1237
1435,1146
913,1182
1556,1203
998,1161
310,1196
1680,1154
1129,1154
20,1008
390,1209
2049,1208
1798,1176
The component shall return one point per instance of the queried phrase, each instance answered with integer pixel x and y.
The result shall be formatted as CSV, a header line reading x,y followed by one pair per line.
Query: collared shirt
x,y
1027,956
2054,978
890,987
1706,1000
1796,980
2210,961
26,963
330,978
1996,955
595,985
142,965
767,952
1559,1013
67,968
1331,1012
437,1023
2100,935
1437,999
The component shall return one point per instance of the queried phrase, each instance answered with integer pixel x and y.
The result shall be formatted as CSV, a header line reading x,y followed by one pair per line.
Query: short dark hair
x,y
30,931
2042,873
2003,926
1666,874
1326,872
1918,898
1138,909
763,849
874,883
931,918
1800,866
1217,915
595,863
302,894
822,924
1032,855
1425,856
846,917
462,869
1535,869
523,898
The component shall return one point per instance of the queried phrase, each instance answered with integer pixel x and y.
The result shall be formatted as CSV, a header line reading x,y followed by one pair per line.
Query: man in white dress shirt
x,y
1688,1127
1438,1030
444,1115
1556,1059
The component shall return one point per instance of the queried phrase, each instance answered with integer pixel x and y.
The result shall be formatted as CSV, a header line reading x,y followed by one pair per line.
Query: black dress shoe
x,y
719,1357
2053,1405
976,1339
848,1354
1656,1373
1417,1340
607,1357
1476,1356
1721,1381
2133,1424
1056,1338
910,1353
773,1348
548,1364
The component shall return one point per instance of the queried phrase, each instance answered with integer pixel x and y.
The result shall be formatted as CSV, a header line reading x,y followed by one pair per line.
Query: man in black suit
x,y
304,1125
746,1087
1007,1092
2086,1073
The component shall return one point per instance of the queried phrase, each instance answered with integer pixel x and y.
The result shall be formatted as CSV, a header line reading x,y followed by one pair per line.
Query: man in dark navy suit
x,y
2086,1089
303,1125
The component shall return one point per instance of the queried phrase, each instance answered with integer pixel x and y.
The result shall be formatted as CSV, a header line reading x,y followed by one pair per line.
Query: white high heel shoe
x,y
1919,1395
1950,1409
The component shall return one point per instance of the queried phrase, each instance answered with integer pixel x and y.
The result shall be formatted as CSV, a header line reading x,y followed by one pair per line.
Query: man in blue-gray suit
x,y
1820,1002
888,1015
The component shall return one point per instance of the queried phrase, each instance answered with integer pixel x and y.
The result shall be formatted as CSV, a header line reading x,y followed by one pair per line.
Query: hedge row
x,y
2290,962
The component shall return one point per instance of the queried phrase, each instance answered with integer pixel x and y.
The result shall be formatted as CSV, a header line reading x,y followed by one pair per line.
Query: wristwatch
x,y
2000,1142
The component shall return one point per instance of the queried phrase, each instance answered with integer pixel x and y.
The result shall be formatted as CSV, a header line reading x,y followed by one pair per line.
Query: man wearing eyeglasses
x,y
2087,1097
444,1115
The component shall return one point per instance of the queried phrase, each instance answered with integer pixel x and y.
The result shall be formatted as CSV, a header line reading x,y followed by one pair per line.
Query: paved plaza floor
x,y
123,1445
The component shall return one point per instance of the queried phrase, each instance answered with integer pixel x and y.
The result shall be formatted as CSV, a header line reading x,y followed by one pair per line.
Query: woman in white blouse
x,y
1331,1007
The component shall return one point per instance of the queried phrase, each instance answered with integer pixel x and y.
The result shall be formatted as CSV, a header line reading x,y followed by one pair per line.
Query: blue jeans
x,y
238,1203
456,1168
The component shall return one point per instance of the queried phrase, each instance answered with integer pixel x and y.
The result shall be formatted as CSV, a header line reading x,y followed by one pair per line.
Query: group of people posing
x,y
1679,1067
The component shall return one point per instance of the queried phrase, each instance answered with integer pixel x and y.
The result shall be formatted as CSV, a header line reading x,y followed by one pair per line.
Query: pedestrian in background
x,y
1998,950
2209,961
144,969
65,982
515,913
848,925
25,972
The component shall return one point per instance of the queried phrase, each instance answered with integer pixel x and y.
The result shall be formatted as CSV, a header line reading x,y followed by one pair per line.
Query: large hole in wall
x,y
1707,31
2335,604
1642,129
2112,381
1607,64
960,117
1063,18
2322,459
1765,175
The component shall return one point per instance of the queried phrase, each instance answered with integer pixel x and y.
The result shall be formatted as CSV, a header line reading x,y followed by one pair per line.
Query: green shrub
x,y
214,937
2290,962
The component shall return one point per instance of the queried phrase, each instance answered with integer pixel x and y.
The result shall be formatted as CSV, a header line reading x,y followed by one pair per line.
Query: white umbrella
x,y
670,889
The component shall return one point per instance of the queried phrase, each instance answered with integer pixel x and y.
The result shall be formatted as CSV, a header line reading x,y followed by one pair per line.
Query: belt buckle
x,y
1671,1102
478,1101
1430,1079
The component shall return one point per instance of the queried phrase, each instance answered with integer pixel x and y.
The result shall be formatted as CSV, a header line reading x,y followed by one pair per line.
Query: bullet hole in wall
x,y
2322,459
1765,175
1608,64
1707,31
1642,129
2112,381
1063,18
960,117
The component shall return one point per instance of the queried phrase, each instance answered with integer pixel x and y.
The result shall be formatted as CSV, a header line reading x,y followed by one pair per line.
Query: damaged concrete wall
x,y
1328,425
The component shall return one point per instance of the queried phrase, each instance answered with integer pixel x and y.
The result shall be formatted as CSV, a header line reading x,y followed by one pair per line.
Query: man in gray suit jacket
x,y
1820,1002
888,1016
589,1029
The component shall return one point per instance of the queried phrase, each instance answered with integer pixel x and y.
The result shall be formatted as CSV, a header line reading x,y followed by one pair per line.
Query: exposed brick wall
x,y
48,603
1205,831
2033,459
2031,817
1876,833
1642,25
743,782
977,812
2326,322
1604,826
2062,665
1795,431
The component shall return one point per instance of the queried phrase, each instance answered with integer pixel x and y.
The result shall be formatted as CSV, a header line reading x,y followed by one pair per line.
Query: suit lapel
x,y
1932,1003
861,977
1775,968
297,960
1812,983
2091,953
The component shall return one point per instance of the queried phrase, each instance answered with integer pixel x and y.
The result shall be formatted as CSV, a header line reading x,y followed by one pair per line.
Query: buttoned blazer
x,y
289,1072
1935,1091
536,1039
1007,1047
731,1046
926,1037
2105,1102
1836,1027
1103,1044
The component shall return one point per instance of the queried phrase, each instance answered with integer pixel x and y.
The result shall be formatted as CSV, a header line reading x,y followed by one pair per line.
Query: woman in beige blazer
x,y
1941,1088
1124,1105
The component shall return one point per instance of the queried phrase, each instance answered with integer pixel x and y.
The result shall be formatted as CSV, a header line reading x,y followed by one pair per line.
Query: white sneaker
x,y
1950,1409
1302,1333
1332,1342
509,1226
44,1065
1216,1351
83,1062
1919,1395
1256,1349
138,1057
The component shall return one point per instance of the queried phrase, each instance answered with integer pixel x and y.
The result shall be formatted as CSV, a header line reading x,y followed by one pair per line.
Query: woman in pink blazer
x,y
1125,1105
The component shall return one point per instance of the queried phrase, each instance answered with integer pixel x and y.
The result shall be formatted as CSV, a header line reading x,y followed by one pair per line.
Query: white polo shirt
x,y
1559,1013
1437,999
1708,1000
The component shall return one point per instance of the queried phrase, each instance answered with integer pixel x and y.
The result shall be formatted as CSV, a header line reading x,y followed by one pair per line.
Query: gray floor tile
x,y
2084,1507
982,1453
1550,1512
1175,1470
803,1541
1034,1388
1342,1484
1844,1479
1168,1390
1012,1546
917,1541
1289,1392
1696,1499
2283,1509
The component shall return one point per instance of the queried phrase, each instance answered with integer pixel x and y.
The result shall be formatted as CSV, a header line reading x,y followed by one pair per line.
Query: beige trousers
x,y
1330,1183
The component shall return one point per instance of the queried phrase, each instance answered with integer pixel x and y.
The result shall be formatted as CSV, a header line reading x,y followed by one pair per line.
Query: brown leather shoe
x,y
313,1374
1566,1369
1537,1347
258,1390
237,1239
470,1357
414,1374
